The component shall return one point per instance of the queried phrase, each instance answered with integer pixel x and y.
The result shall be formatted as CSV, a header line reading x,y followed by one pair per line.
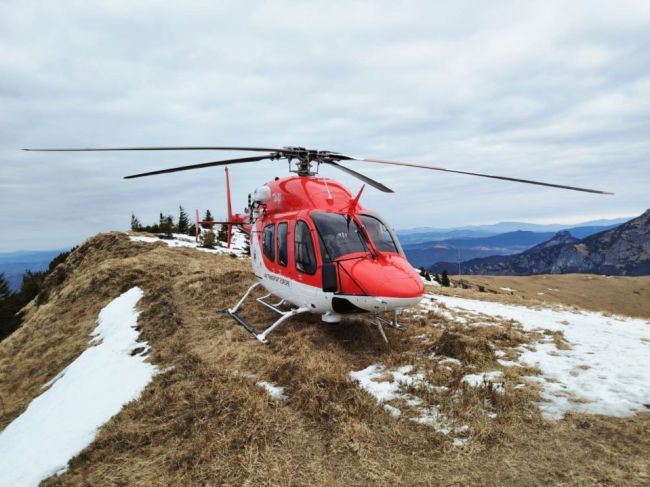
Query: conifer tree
x,y
208,217
183,220
247,244
444,279
222,236
208,239
136,226
166,225
5,291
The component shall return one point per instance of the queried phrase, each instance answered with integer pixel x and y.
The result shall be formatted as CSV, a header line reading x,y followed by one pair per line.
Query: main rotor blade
x,y
201,165
365,179
253,149
505,178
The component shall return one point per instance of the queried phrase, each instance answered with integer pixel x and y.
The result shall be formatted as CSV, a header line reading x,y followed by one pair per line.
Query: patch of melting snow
x,y
65,418
605,371
392,410
449,360
185,241
384,390
508,363
431,417
507,289
276,392
485,378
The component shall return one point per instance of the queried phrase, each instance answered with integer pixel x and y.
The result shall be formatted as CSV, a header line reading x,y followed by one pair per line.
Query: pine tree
x,y
247,244
166,225
444,279
208,218
208,239
5,291
136,226
436,278
183,220
222,236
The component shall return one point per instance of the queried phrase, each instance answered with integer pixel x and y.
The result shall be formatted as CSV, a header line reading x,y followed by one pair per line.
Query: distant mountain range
x,y
15,264
426,253
428,234
622,250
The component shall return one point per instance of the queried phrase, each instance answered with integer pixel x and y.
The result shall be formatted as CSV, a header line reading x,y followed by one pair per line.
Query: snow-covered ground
x,y
606,370
65,418
387,385
237,244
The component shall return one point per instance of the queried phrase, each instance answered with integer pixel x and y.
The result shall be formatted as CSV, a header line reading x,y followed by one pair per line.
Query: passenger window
x,y
304,249
282,243
269,248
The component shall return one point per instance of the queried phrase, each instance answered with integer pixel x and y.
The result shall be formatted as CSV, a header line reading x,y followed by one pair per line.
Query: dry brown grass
x,y
204,421
622,295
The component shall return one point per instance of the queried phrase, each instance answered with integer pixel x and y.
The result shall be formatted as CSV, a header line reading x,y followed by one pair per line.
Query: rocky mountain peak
x,y
560,238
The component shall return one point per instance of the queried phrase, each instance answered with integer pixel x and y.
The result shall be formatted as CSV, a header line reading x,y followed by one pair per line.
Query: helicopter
x,y
313,245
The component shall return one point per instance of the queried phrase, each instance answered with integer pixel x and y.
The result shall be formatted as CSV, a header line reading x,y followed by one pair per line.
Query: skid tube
x,y
284,315
379,321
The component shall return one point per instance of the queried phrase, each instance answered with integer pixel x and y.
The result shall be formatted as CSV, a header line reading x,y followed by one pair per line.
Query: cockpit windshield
x,y
338,235
381,236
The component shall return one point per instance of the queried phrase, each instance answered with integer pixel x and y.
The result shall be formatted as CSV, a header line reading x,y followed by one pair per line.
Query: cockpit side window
x,y
282,243
268,243
304,249
381,236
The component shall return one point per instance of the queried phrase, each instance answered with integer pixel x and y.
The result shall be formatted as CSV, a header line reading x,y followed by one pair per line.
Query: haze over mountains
x,y
14,264
622,250
427,246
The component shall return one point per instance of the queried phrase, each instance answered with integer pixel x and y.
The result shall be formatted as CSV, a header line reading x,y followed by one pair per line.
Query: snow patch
x,y
237,244
386,390
276,392
485,378
65,418
605,371
370,379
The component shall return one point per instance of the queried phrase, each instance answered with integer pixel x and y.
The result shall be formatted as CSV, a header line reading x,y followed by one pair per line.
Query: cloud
x,y
553,91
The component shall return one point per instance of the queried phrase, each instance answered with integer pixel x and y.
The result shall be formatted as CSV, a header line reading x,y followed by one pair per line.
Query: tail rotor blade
x,y
365,179
504,178
201,165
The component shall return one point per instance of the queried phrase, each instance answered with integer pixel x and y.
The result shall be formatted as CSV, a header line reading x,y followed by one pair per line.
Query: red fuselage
x,y
309,223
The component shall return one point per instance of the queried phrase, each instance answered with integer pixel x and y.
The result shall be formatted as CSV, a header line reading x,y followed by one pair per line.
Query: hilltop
x,y
464,396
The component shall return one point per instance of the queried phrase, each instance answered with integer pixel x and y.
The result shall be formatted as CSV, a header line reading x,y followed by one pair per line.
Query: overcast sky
x,y
555,91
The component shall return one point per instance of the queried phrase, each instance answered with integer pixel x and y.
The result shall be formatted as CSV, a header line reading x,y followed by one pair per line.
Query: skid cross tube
x,y
284,315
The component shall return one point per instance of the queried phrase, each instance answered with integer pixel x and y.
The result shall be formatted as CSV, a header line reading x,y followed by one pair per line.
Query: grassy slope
x,y
203,421
629,296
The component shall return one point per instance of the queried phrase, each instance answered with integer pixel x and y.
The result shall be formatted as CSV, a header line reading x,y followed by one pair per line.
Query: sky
x,y
553,91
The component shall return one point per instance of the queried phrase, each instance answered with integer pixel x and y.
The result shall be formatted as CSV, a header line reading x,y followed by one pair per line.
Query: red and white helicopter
x,y
313,245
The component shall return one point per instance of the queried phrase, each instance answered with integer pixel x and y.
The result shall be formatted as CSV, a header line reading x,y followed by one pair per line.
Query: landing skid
x,y
284,315
379,322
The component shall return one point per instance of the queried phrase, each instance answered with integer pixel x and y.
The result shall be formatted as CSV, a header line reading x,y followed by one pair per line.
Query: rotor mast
x,y
305,158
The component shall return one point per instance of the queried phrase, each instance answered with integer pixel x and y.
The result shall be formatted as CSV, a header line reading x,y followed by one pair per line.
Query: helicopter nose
x,y
390,276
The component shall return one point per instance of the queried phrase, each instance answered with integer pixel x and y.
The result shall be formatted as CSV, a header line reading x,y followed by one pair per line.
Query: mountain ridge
x,y
622,250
